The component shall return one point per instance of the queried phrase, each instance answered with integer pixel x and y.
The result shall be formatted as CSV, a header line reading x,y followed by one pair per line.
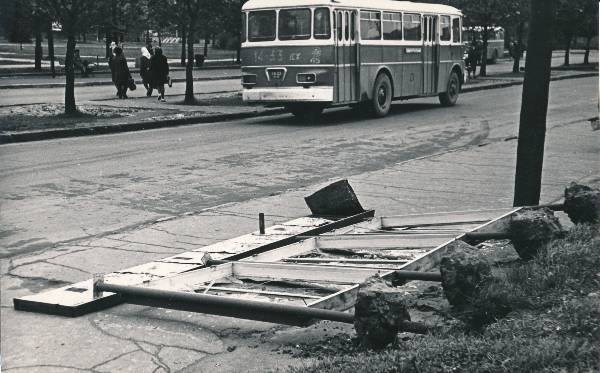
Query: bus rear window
x,y
322,24
294,24
261,25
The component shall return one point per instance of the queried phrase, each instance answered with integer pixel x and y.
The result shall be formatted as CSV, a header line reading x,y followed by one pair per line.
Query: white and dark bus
x,y
310,54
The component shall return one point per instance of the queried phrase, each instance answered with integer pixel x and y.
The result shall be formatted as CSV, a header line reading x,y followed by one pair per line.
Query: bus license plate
x,y
276,74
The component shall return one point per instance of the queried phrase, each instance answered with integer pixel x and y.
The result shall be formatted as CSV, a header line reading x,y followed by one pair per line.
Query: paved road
x,y
72,189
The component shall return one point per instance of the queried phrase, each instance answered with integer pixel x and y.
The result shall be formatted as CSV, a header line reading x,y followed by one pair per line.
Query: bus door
x,y
346,61
430,54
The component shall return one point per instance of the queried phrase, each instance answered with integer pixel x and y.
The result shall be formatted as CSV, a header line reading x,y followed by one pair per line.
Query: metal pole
x,y
217,305
244,309
261,223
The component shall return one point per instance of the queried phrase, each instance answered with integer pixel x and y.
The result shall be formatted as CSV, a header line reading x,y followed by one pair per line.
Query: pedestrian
x,y
159,68
121,73
111,57
145,70
473,56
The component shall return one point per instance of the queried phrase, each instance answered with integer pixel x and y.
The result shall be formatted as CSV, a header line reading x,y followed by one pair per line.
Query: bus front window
x,y
261,25
294,24
322,25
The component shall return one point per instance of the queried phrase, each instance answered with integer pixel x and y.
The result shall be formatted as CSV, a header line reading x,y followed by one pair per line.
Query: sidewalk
x,y
138,114
143,339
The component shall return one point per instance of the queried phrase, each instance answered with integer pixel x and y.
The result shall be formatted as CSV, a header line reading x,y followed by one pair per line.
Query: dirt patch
x,y
45,116
225,99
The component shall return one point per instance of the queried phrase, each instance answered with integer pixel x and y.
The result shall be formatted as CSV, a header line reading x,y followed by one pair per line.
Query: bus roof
x,y
407,6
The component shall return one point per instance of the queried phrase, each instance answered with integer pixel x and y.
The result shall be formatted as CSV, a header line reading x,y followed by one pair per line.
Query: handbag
x,y
131,84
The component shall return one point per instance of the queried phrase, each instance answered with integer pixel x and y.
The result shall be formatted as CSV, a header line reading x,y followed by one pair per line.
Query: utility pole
x,y
534,104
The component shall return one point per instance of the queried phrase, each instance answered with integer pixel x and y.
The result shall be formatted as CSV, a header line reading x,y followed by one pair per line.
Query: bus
x,y
306,55
495,47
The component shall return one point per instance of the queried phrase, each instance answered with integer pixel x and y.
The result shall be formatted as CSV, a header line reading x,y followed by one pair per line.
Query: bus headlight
x,y
306,79
248,80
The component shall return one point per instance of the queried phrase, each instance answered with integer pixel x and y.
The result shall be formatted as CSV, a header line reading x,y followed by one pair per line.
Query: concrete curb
x,y
520,82
126,127
108,82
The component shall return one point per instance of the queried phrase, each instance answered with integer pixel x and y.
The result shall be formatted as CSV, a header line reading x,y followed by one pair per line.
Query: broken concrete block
x,y
582,203
531,229
378,313
463,271
337,199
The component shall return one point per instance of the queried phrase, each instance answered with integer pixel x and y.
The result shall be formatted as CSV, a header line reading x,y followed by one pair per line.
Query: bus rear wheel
x,y
381,102
305,112
449,97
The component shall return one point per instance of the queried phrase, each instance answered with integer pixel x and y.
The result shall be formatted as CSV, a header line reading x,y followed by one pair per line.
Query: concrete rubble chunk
x,y
336,199
378,313
582,203
463,272
531,229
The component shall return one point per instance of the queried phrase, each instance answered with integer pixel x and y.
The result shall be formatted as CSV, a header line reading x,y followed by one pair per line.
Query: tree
x,y
534,104
74,16
588,28
570,12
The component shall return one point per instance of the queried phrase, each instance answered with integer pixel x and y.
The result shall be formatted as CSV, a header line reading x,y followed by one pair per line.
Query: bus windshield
x,y
294,24
261,25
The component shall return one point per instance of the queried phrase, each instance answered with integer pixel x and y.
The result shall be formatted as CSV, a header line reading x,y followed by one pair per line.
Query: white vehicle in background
x,y
495,48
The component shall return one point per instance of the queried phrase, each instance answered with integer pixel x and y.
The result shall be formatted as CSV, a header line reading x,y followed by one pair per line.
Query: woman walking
x,y
121,73
159,68
145,70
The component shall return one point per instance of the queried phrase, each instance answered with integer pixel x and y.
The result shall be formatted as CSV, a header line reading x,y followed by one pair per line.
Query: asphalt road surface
x,y
72,189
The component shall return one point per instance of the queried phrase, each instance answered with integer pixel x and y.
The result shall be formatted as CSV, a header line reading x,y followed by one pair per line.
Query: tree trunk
x,y
568,38
50,36
183,44
107,44
534,104
70,107
159,39
588,45
484,39
189,74
206,42
38,45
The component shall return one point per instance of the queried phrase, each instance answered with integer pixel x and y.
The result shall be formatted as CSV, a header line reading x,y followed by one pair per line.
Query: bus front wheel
x,y
382,96
449,97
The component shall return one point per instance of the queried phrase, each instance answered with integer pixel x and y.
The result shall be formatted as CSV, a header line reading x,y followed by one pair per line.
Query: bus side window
x,y
456,30
392,26
339,26
445,28
322,26
412,26
370,25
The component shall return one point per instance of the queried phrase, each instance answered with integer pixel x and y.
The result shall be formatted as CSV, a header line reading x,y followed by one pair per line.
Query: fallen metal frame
x,y
274,265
